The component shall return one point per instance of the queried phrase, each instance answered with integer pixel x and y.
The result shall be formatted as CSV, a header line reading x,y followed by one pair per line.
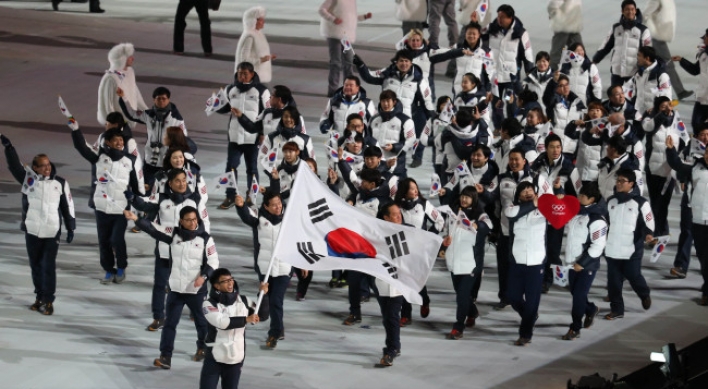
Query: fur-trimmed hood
x,y
119,55
251,15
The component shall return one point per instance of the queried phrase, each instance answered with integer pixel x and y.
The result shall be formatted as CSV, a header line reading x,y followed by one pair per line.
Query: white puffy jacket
x,y
344,10
566,15
625,218
648,84
660,18
251,102
656,159
528,234
253,45
626,43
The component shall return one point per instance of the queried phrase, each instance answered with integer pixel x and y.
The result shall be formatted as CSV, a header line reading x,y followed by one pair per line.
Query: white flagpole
x,y
265,281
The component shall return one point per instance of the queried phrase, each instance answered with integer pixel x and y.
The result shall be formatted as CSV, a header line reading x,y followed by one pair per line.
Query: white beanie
x,y
119,55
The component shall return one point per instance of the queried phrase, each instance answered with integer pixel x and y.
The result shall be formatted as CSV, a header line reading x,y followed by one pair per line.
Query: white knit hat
x,y
119,54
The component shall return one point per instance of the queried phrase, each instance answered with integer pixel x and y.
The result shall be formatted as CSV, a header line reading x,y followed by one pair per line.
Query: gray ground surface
x,y
96,339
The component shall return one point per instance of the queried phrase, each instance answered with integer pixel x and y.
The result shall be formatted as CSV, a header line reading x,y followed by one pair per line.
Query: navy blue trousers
x,y
407,309
683,254
503,263
42,253
212,371
391,315
175,304
233,160
524,294
660,202
464,285
617,271
580,283
359,284
701,232
699,116
161,280
554,241
111,240
276,296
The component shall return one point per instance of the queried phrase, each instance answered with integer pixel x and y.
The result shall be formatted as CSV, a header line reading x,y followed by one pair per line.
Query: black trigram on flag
x,y
397,245
319,210
305,249
392,270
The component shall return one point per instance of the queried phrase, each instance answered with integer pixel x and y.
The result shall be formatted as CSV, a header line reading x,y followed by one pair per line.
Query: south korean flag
x,y
30,182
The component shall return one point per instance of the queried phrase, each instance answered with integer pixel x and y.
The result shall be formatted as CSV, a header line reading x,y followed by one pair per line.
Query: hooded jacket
x,y
474,64
457,256
511,48
650,82
156,122
624,40
251,99
253,45
587,236
116,76
46,201
458,143
193,254
631,219
281,136
339,107
266,228
584,79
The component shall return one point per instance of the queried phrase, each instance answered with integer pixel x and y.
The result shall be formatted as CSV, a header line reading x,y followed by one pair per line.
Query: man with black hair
x,y
373,192
113,171
165,208
227,311
390,299
458,139
394,130
193,257
624,40
587,236
617,103
513,137
631,220
562,107
268,120
347,100
650,81
247,97
616,157
157,119
46,203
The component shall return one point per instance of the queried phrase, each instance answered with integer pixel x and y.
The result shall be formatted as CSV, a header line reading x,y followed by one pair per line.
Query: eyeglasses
x,y
190,220
226,281
621,181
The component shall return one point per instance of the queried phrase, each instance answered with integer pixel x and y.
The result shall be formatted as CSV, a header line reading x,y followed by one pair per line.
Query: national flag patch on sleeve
x,y
649,217
434,214
204,214
639,154
665,85
595,78
211,250
599,233
203,190
168,230
410,134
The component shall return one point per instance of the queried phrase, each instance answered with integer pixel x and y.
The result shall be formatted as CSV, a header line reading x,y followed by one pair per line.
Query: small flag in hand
x,y
346,44
435,185
659,247
226,180
64,110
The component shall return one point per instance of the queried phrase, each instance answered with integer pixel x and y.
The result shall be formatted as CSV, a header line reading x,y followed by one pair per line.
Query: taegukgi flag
x,y
321,232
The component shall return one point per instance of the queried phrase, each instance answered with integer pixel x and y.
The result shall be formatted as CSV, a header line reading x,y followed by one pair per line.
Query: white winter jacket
x,y
342,9
660,18
566,15
253,45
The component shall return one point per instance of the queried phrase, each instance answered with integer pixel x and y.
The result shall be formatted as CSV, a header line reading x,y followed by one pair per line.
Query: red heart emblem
x,y
557,211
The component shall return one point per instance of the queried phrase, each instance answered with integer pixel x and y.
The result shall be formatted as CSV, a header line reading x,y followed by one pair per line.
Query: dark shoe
x,y
365,299
35,307
613,316
351,320
178,52
685,94
227,203
135,230
454,335
677,272
120,276
704,301
156,325
272,342
606,298
342,284
406,321
471,321
545,288
589,319
199,355
110,277
163,362
55,4
282,335
207,55
424,310
299,297
332,283
47,309
416,163
97,10
522,342
501,305
385,361
646,303
570,335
